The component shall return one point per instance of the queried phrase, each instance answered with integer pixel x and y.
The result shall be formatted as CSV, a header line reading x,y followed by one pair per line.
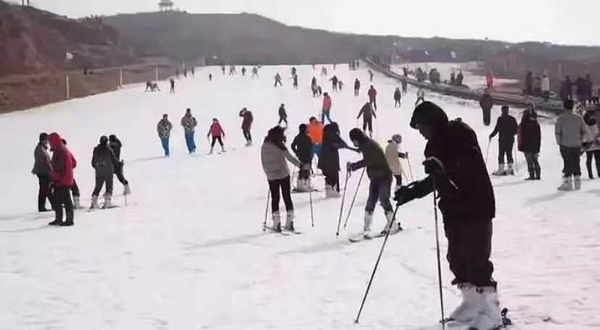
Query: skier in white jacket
x,y
393,155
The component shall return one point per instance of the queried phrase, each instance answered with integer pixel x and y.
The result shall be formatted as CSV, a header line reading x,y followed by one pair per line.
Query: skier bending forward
x,y
457,171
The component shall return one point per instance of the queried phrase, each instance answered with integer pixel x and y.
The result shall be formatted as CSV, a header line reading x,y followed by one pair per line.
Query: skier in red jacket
x,y
217,133
373,96
61,174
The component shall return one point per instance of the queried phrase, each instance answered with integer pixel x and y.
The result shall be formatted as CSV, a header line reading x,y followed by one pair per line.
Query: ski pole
x,y
387,235
337,233
516,158
354,198
312,214
267,210
437,247
487,153
412,178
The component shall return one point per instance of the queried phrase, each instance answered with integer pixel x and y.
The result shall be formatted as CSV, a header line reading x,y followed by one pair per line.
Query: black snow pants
x,y
487,116
469,250
119,173
62,198
247,135
571,161
286,191
505,148
333,179
101,179
44,192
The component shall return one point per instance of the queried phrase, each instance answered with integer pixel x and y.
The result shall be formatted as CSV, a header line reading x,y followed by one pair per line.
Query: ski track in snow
x,y
188,251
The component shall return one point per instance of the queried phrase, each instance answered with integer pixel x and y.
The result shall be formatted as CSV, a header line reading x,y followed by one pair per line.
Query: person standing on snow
x,y
397,98
74,188
457,171
163,128
334,83
61,174
41,168
570,132
273,155
189,124
295,81
545,87
404,86
529,142
278,80
254,72
420,96
591,143
367,113
486,102
371,75
217,133
302,146
104,163
393,155
315,132
247,125
115,145
373,97
282,115
329,162
507,127
340,85
379,173
327,104
172,82
356,87
313,87
243,71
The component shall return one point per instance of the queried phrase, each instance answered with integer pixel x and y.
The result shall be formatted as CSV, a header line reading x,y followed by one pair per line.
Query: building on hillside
x,y
166,5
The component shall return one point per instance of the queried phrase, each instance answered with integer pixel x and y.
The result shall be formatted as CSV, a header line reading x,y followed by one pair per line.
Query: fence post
x,y
121,78
68,89
156,74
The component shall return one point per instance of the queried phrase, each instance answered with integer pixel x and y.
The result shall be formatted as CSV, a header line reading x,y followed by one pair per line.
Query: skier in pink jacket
x,y
217,133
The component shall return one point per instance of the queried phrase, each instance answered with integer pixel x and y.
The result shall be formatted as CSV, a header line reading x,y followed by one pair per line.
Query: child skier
x,y
315,132
303,148
163,128
189,124
273,158
367,113
456,170
247,125
329,162
380,175
217,133
392,155
507,127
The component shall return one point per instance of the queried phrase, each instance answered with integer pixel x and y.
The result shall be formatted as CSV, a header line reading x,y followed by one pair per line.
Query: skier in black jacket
x,y
529,141
367,113
302,147
356,87
104,162
282,115
329,162
457,171
115,144
397,98
506,126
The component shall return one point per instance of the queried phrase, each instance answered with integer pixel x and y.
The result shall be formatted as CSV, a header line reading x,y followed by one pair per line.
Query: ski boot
x,y
490,316
471,305
76,203
107,202
367,225
126,190
577,182
289,222
94,203
331,193
276,222
55,223
390,224
211,150
510,170
567,184
500,170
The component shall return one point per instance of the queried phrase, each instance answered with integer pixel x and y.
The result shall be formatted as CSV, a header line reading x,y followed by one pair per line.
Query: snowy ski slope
x,y
188,252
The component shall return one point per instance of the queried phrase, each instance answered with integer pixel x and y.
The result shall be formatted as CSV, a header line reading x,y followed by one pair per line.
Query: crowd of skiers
x,y
56,175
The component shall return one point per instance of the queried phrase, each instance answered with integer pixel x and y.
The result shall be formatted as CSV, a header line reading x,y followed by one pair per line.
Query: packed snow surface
x,y
187,251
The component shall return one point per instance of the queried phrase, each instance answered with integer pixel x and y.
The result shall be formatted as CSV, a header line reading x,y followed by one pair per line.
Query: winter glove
x,y
434,167
405,194
350,167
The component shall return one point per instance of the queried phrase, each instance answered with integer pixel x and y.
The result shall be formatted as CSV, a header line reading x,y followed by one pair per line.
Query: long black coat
x,y
530,136
329,162
457,148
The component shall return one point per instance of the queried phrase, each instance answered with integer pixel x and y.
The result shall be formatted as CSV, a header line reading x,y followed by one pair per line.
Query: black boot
x,y
531,176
